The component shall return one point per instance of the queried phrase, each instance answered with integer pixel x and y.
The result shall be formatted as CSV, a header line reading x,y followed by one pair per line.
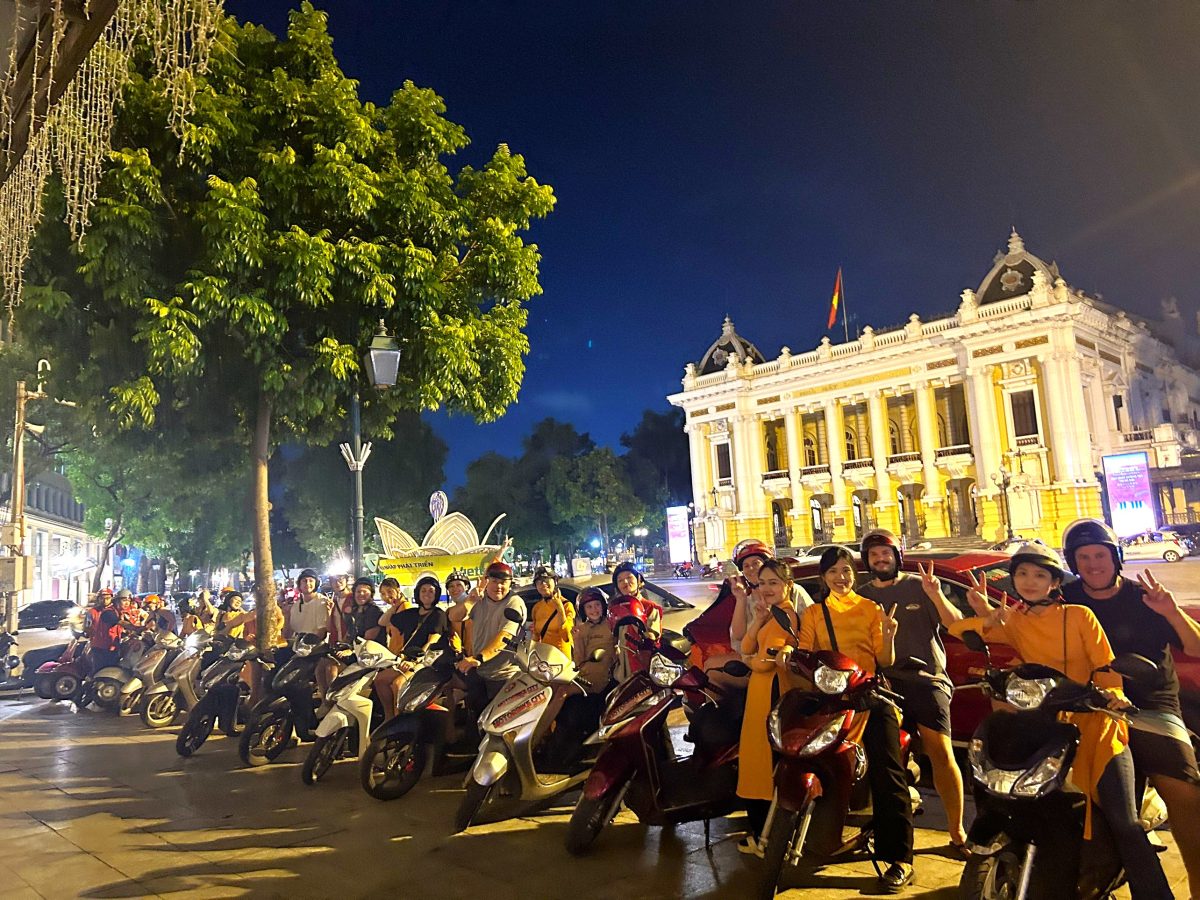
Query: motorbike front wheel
x,y
107,694
130,702
779,844
390,769
43,686
195,731
320,757
995,877
158,710
265,739
476,796
591,816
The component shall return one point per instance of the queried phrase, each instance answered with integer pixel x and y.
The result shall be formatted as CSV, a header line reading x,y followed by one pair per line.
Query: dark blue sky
x,y
716,157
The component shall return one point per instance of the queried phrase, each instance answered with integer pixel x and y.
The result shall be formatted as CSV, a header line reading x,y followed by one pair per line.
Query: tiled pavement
x,y
96,806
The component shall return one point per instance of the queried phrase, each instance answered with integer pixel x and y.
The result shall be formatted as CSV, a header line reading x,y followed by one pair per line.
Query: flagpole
x,y
845,319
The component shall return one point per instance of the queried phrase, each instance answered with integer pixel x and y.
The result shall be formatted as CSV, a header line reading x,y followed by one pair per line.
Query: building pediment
x,y
1011,274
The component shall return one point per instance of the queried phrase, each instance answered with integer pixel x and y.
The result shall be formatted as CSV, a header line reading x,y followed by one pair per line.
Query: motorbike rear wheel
x,y
779,843
43,686
995,877
591,816
265,739
390,769
63,687
321,756
195,731
158,710
476,796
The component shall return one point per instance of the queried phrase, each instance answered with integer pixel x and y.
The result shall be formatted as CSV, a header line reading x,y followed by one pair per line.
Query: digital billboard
x,y
1130,501
679,540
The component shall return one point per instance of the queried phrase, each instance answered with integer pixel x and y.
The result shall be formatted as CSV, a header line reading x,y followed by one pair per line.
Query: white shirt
x,y
310,616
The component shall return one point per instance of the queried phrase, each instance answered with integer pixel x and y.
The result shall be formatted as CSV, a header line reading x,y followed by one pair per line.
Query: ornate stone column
x,y
835,444
885,504
927,432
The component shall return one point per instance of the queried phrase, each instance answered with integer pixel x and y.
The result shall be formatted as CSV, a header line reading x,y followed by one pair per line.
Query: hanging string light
x,y
72,136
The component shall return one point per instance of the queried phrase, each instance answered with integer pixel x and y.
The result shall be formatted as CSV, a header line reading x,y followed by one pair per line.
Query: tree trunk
x,y
264,566
110,540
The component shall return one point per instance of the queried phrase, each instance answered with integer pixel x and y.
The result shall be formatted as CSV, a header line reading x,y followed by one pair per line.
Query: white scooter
x,y
351,705
504,781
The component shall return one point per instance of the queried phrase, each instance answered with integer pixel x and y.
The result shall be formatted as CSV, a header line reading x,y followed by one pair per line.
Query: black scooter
x,y
222,693
290,704
1027,837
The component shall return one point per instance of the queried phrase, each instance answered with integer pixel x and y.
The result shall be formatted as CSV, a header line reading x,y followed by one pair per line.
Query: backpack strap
x,y
829,627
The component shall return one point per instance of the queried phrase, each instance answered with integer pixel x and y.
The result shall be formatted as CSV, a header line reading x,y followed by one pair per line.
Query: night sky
x,y
717,157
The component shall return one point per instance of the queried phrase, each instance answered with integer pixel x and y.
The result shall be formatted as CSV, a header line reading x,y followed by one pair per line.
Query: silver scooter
x,y
149,670
180,688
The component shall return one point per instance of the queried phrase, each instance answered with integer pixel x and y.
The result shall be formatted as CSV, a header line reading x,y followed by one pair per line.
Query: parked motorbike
x,y
638,763
178,690
821,789
18,673
684,570
104,686
430,725
353,708
1027,837
149,670
289,705
504,781
60,679
221,697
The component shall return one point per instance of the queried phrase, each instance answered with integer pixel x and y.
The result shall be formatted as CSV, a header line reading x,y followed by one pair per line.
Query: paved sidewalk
x,y
96,806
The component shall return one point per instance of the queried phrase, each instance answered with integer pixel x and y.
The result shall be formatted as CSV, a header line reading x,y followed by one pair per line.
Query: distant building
x,y
914,428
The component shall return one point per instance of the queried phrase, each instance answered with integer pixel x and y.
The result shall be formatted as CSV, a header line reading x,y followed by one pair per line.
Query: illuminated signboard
x,y
1130,502
678,538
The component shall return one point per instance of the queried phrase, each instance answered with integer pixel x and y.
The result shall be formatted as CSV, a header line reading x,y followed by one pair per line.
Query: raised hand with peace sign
x,y
977,594
929,581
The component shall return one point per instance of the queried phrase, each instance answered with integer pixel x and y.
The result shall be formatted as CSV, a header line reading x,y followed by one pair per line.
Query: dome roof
x,y
730,344
1012,274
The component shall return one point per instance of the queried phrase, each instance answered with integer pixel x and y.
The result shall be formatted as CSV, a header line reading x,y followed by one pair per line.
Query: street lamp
x,y
1003,480
382,365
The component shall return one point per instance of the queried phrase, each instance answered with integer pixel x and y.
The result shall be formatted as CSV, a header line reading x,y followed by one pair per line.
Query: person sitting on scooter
x,y
1069,638
749,557
363,619
1142,617
756,763
390,593
462,600
551,616
159,617
590,634
861,629
104,633
487,666
131,616
412,631
627,600
231,620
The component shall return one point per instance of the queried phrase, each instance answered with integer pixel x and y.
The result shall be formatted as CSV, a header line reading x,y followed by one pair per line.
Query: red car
x,y
711,631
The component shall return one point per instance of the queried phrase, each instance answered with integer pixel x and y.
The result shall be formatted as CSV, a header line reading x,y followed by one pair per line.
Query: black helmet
x,y
309,573
1039,555
1085,532
881,537
423,580
620,570
544,572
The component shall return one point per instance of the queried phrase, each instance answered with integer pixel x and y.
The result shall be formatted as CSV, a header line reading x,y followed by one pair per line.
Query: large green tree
x,y
234,279
591,492
658,461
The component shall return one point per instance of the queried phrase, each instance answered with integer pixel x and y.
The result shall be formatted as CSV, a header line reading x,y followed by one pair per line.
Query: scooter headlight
x,y
664,673
417,699
1027,693
237,653
823,738
831,681
195,640
1042,777
1047,775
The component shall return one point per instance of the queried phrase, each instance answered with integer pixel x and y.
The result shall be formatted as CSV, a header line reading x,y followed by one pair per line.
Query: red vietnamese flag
x,y
837,299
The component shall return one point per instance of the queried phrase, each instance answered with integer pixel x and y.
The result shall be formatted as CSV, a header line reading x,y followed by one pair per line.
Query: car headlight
x,y
831,681
823,738
1027,693
417,699
664,673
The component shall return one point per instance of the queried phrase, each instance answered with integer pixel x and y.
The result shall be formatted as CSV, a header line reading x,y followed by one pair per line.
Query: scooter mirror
x,y
513,616
597,654
974,642
1135,668
630,620
782,618
736,668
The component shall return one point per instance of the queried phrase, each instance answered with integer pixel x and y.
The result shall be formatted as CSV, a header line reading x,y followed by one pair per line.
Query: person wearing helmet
x,y
551,616
922,610
413,631
160,617
309,613
1141,616
1069,638
749,557
592,633
462,600
627,583
362,621
104,631
131,616
486,667
231,620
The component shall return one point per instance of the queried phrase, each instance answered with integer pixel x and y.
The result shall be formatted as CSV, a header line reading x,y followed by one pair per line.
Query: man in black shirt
x,y
920,608
1142,617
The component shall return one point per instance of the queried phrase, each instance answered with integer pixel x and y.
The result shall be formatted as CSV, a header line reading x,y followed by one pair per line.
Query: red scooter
x,y
639,765
821,784
60,679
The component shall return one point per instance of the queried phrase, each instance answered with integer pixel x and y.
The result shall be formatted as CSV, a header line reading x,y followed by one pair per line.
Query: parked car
x,y
49,614
964,666
1155,545
813,554
677,612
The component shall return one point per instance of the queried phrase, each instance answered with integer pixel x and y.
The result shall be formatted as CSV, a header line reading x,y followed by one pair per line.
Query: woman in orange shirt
x,y
1069,638
851,624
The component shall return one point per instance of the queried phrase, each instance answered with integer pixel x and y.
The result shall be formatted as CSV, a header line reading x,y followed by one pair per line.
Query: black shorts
x,y
1156,754
926,703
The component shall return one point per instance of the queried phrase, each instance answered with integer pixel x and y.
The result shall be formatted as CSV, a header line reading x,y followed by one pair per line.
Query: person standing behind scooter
x,y
764,637
551,617
851,624
749,557
1142,617
104,633
1069,638
921,609
489,666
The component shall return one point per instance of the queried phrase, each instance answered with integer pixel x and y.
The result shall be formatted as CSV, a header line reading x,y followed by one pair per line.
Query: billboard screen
x,y
1130,501
679,540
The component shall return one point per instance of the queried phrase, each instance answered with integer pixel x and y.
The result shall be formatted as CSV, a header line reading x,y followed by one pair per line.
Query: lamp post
x,y
382,365
1003,480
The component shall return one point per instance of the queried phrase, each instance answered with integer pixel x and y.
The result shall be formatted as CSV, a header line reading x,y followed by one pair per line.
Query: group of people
x,y
893,623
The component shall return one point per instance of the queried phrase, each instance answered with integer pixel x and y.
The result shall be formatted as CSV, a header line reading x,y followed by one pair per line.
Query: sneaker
x,y
750,846
896,878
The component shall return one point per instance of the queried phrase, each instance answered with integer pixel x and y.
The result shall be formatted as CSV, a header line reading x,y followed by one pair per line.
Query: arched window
x,y
810,452
851,445
894,437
